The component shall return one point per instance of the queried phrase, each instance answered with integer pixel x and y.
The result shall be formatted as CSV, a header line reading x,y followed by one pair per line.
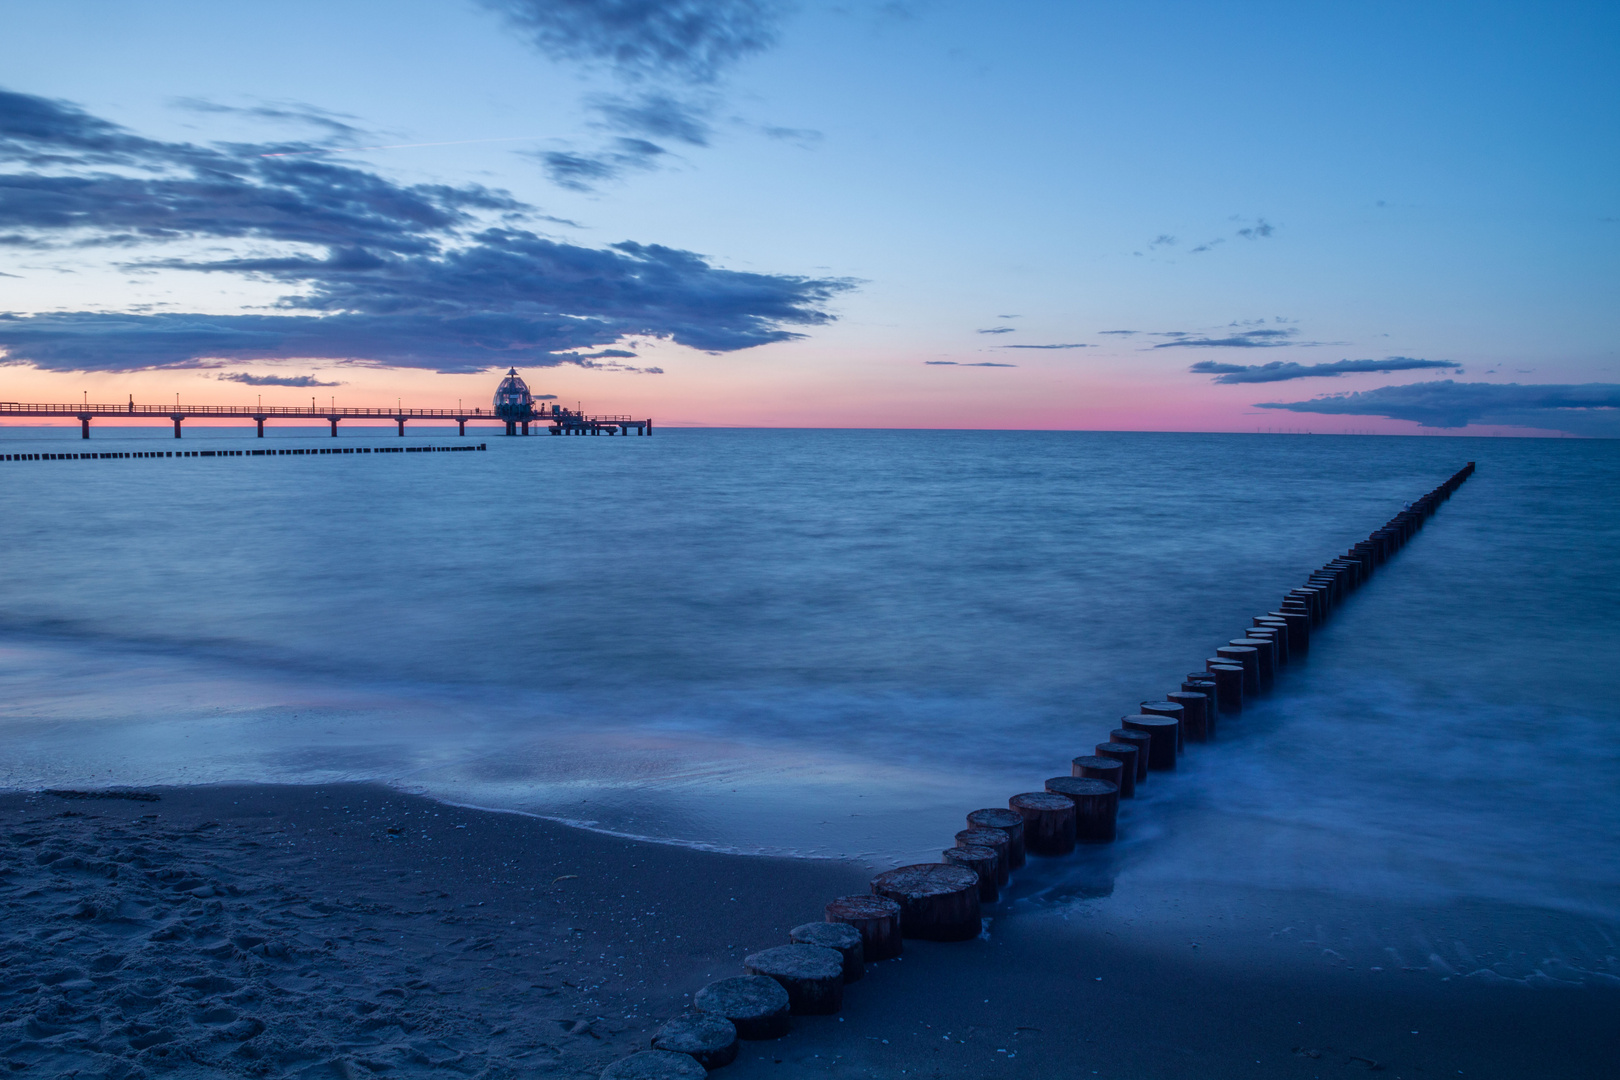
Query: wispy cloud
x,y
656,115
957,363
1582,409
582,172
686,40
999,330
335,126
1069,345
1269,338
425,275
273,380
1279,371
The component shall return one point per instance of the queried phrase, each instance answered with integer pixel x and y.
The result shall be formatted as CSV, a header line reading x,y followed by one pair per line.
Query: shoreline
x,y
353,930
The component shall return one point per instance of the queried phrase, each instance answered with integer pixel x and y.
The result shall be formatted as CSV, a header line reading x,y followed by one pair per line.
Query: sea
x,y
834,644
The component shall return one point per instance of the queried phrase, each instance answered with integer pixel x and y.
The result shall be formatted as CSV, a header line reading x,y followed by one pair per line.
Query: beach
x,y
352,931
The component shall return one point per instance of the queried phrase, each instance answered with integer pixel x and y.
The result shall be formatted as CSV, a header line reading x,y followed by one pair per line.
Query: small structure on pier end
x,y
514,403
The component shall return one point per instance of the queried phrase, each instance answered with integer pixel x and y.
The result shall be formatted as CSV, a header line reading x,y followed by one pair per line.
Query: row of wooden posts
x,y
944,901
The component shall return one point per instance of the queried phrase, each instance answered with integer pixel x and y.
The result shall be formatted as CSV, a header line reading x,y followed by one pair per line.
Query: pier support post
x,y
461,422
260,421
511,427
334,425
177,420
84,427
525,427
401,420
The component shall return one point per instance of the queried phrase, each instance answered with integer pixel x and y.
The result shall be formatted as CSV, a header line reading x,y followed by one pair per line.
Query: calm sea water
x,y
836,643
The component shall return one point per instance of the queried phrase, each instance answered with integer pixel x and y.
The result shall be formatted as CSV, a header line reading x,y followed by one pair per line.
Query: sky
x,y
1371,217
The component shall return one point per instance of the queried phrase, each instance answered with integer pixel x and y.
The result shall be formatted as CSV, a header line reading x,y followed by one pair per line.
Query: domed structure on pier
x,y
512,398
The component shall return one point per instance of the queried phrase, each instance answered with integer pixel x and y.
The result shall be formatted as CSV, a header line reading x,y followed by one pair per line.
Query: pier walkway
x,y
556,420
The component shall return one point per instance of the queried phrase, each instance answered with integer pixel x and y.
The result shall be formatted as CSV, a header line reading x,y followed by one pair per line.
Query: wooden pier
x,y
555,419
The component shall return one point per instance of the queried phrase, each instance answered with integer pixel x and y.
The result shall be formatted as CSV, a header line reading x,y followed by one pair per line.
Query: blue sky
x,y
839,214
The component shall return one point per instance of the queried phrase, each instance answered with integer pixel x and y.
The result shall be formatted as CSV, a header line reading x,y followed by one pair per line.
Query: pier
x,y
514,407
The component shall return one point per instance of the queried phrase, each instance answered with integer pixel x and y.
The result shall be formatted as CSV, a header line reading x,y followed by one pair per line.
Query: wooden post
x,y
877,920
1144,747
842,938
1126,754
1162,730
938,901
1048,821
1173,711
982,861
1229,679
996,841
1008,822
709,1039
756,1005
1194,714
812,976
1096,806
1098,767
1248,657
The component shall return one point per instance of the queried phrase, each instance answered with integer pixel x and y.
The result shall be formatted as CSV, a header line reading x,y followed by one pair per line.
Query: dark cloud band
x,y
1279,371
1583,409
414,276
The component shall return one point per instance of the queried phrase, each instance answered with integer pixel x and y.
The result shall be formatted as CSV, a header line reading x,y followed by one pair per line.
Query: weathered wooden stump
x,y
710,1039
1229,678
1162,730
1265,655
756,1006
1174,712
1100,767
1126,754
1275,642
1096,806
1144,747
877,920
1202,683
982,861
938,901
1299,628
842,938
1048,821
1008,822
1248,658
1284,636
655,1065
812,976
996,841
1195,709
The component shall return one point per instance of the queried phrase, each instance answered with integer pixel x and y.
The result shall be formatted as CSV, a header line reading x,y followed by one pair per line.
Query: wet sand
x,y
351,931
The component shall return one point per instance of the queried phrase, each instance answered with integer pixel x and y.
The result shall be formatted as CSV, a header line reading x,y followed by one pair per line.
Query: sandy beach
x,y
353,931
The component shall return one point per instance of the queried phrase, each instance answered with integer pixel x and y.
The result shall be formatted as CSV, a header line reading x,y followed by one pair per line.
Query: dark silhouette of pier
x,y
514,407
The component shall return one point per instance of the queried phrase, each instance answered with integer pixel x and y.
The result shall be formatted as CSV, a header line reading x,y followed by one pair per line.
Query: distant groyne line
x,y
944,901
154,454
557,421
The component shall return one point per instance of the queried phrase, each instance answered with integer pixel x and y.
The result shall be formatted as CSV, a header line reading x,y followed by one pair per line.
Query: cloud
x,y
609,354
1258,231
273,380
956,363
423,275
1278,371
1119,333
1247,339
582,172
686,40
805,137
335,125
1584,409
656,114
999,330
1067,346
